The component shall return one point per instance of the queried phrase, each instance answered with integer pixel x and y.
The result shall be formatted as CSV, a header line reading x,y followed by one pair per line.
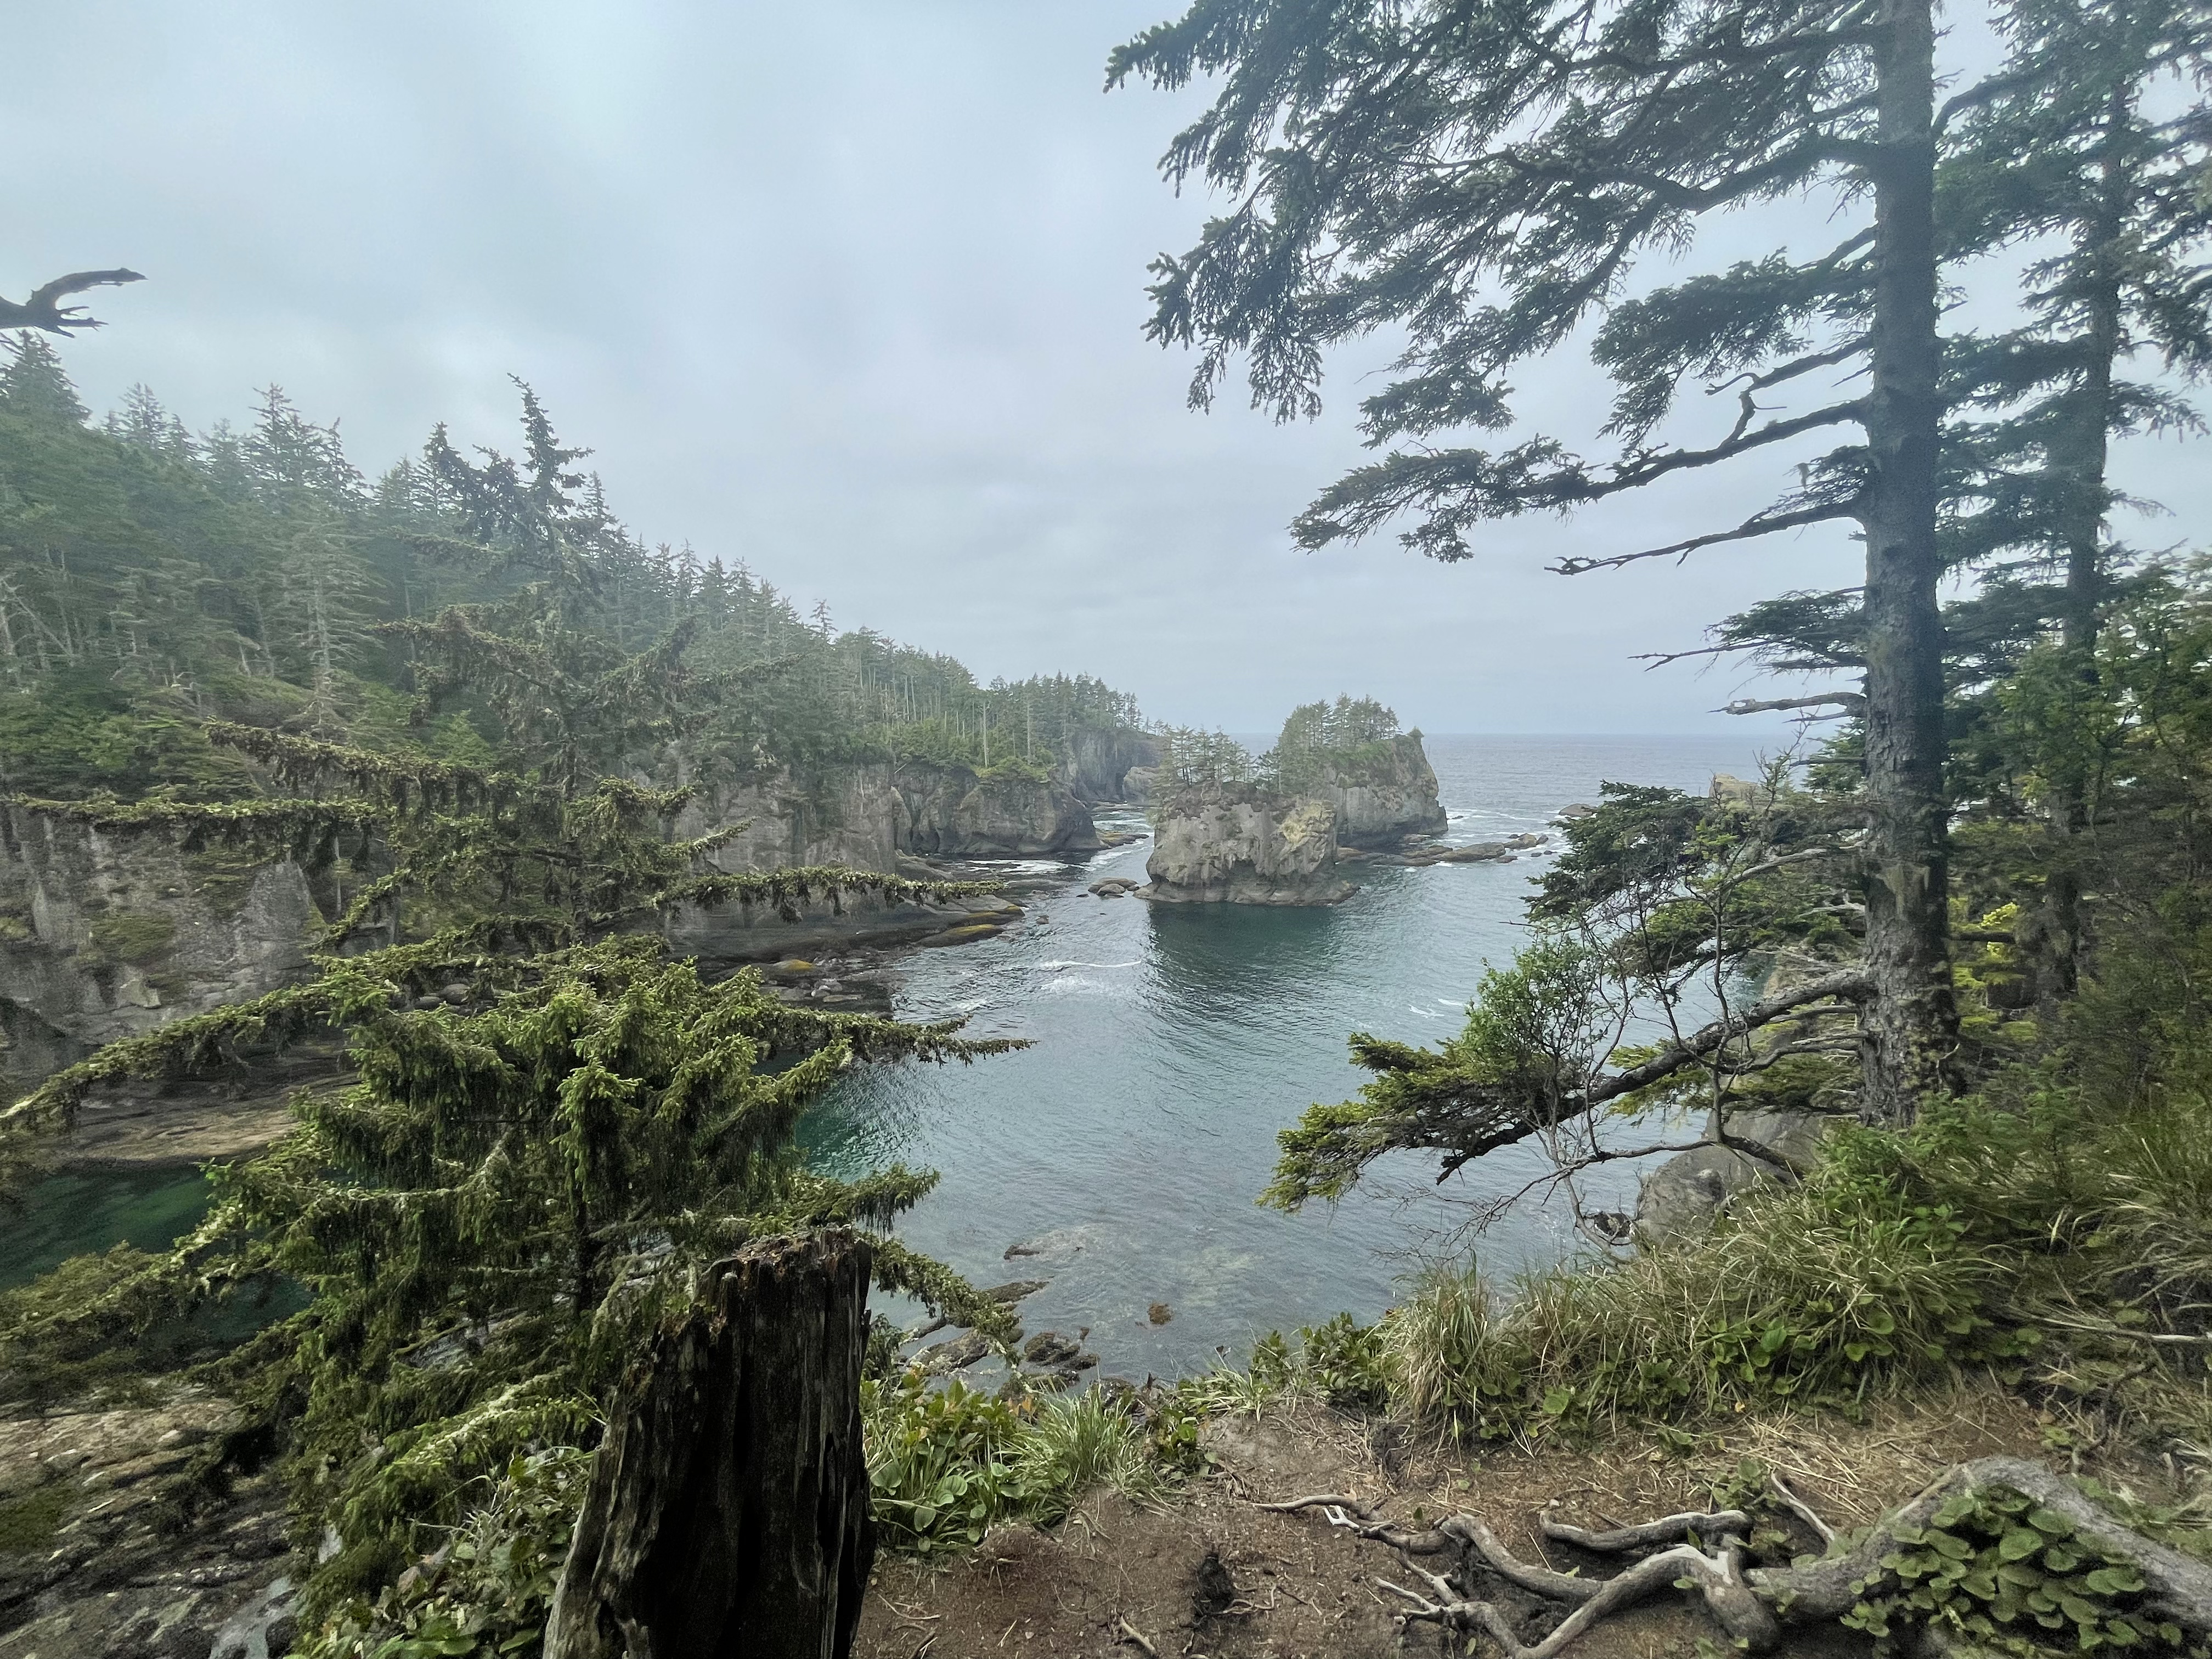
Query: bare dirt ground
x,y
1115,1571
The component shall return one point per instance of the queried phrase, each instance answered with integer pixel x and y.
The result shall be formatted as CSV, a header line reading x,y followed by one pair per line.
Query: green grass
x,y
2033,1231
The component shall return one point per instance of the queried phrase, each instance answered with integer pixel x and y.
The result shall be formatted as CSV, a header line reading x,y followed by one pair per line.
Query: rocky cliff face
x,y
1238,844
849,815
1381,796
104,936
1098,765
952,812
864,817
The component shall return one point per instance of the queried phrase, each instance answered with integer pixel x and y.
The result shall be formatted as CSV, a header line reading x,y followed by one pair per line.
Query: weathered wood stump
x,y
727,1517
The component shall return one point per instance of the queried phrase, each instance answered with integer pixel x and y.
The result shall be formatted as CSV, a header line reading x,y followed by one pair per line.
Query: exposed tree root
x,y
1705,1552
1668,1529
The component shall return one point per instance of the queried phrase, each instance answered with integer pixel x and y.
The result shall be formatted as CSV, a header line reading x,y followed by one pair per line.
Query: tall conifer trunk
x,y
1910,1022
2081,463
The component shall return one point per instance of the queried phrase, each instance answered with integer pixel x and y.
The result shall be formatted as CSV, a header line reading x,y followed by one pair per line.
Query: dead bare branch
x,y
1798,1507
1847,702
1752,1604
44,308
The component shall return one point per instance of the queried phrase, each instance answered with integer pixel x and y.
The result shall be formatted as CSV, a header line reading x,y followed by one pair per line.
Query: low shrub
x,y
2037,1212
1816,1293
948,1463
486,1589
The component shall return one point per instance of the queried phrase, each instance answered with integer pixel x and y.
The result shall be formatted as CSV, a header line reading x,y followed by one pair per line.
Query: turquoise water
x,y
67,1214
1173,1044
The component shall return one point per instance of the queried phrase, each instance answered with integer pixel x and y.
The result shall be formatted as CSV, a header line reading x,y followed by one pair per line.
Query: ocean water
x,y
1122,1153
80,1210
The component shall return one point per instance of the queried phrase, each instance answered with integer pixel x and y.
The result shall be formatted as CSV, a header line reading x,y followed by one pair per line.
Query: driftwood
x,y
727,1517
1752,1605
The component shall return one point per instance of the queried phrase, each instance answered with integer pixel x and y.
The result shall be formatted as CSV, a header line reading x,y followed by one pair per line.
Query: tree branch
x,y
1762,524
1516,1120
1847,702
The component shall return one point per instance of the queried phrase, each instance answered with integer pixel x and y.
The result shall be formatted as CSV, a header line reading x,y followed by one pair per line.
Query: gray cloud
x,y
850,291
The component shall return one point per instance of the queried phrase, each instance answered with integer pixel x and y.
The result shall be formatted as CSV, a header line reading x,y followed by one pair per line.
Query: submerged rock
x,y
964,935
1050,1348
1061,1245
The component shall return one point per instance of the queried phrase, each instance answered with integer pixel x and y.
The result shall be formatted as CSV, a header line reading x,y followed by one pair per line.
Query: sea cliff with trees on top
x,y
534,1330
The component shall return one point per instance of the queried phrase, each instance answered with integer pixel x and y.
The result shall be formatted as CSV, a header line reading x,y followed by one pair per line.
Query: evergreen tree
x,y
550,1125
1485,176
289,461
35,384
2065,147
323,616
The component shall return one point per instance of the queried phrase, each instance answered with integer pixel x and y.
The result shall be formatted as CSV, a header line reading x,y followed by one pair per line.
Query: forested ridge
x,y
469,692
152,579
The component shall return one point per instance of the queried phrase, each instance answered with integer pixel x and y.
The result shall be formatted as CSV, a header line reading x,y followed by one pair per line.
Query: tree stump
x,y
727,1517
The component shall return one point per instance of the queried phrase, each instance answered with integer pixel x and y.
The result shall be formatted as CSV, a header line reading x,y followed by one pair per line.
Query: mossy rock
x,y
29,1521
136,937
963,935
224,876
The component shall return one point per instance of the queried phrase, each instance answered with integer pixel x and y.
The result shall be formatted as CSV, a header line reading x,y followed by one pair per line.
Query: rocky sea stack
x,y
1228,829
1241,843
1382,792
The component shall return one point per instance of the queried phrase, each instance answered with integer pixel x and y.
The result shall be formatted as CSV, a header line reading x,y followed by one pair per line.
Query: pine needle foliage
x,y
547,1125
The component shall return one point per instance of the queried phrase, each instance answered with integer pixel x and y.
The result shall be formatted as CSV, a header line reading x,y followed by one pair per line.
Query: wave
x,y
1068,983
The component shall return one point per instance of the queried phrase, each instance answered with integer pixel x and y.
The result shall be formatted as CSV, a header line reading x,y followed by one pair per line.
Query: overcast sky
x,y
851,291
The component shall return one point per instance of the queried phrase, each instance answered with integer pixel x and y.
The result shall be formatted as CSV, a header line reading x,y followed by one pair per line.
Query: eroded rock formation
x,y
1240,844
1098,764
1381,795
106,936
